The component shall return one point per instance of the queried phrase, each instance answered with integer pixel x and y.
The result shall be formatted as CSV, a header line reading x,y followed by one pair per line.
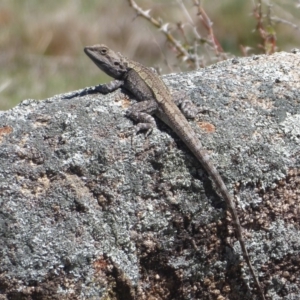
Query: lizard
x,y
155,98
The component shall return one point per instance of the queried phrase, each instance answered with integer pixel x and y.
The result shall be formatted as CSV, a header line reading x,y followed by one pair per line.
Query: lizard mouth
x,y
90,52
107,63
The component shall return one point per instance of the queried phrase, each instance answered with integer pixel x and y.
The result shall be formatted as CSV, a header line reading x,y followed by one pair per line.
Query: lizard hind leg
x,y
187,107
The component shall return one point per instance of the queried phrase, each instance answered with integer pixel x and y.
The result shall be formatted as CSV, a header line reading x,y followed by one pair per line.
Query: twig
x,y
165,30
268,35
207,23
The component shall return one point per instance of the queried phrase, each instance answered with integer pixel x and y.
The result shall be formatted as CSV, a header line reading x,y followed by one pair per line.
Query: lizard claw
x,y
143,127
135,130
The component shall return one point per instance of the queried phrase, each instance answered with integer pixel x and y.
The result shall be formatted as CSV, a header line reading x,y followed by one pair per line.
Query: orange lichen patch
x,y
103,269
100,265
126,102
208,127
4,131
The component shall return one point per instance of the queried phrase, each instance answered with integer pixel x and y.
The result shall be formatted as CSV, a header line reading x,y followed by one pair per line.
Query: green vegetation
x,y
41,42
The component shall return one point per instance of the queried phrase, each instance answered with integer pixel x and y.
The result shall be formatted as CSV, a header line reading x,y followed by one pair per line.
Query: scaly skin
x,y
156,99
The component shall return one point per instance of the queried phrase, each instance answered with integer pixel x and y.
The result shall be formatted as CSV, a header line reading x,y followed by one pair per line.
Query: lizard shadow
x,y
210,190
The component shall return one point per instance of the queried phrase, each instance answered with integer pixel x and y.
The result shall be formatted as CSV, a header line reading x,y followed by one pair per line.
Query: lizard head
x,y
107,60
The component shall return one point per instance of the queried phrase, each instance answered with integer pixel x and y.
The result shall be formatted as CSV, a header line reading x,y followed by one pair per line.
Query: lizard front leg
x,y
109,87
141,112
101,88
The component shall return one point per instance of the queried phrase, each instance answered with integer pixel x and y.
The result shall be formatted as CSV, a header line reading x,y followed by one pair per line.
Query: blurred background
x,y
41,42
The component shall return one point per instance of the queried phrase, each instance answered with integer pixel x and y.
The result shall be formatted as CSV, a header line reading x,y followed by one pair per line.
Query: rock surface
x,y
89,212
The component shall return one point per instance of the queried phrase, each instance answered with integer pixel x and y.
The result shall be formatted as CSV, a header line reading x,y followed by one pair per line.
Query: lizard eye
x,y
103,51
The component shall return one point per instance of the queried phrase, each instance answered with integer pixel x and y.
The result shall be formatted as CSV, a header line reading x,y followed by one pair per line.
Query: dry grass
x,y
41,42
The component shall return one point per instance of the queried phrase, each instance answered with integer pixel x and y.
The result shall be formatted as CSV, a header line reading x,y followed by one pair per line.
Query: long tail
x,y
188,136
